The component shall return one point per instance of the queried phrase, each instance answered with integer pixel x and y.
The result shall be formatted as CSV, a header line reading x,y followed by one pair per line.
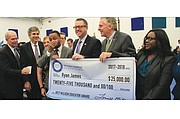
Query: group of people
x,y
156,63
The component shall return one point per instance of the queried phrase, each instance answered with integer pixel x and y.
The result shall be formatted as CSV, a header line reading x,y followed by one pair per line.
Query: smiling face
x,y
46,41
12,39
34,36
150,41
80,28
55,38
105,28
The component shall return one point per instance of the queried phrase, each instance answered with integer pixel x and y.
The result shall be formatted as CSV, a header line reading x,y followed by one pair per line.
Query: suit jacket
x,y
158,79
28,59
176,75
45,60
11,84
121,45
65,52
90,49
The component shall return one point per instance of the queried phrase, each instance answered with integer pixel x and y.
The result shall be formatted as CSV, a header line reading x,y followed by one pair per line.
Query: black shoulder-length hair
x,y
164,48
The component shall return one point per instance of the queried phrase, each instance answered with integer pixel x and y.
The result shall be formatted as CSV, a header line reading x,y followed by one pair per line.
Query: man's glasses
x,y
80,26
149,38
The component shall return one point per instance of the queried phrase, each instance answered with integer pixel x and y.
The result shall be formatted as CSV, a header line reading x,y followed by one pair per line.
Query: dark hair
x,y
57,32
164,48
70,39
62,33
81,19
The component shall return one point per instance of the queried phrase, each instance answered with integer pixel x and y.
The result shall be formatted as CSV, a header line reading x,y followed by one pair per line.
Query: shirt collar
x,y
11,47
32,44
112,35
83,39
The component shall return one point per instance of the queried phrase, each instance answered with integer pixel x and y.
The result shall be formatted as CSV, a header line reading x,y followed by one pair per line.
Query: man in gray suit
x,y
54,50
116,44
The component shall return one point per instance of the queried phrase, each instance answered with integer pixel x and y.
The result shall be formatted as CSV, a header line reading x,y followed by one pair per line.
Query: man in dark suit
x,y
30,52
116,44
85,46
11,82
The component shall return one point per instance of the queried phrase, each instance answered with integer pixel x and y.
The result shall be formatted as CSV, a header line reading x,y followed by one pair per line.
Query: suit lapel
x,y
153,65
113,42
103,49
10,53
30,50
141,59
74,45
41,47
63,52
86,42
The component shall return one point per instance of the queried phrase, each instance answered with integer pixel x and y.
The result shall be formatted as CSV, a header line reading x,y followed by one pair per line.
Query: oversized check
x,y
90,79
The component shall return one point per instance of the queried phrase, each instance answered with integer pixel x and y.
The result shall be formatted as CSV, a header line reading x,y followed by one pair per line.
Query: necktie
x,y
78,47
36,52
107,44
17,56
56,52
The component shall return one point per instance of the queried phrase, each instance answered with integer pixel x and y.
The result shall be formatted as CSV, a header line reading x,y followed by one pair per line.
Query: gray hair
x,y
111,20
32,29
7,34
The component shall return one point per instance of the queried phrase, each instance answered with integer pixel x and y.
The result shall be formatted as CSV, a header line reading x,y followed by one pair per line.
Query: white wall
x,y
22,24
125,26
57,23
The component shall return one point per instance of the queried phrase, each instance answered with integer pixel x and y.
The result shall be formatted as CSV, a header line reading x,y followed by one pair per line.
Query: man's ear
x,y
110,26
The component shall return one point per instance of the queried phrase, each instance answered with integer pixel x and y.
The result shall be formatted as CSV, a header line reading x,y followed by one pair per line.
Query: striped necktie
x,y
78,47
16,54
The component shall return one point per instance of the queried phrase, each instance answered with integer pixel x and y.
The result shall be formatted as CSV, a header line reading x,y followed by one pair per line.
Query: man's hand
x,y
104,55
52,45
54,57
27,86
77,56
25,70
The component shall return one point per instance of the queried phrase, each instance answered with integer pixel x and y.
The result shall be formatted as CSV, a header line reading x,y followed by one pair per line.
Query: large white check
x,y
90,79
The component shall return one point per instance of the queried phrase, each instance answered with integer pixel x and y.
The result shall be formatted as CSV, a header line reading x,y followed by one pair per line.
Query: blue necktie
x,y
78,47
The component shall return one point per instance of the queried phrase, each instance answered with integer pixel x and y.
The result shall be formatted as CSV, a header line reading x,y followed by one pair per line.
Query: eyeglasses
x,y
149,38
80,26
